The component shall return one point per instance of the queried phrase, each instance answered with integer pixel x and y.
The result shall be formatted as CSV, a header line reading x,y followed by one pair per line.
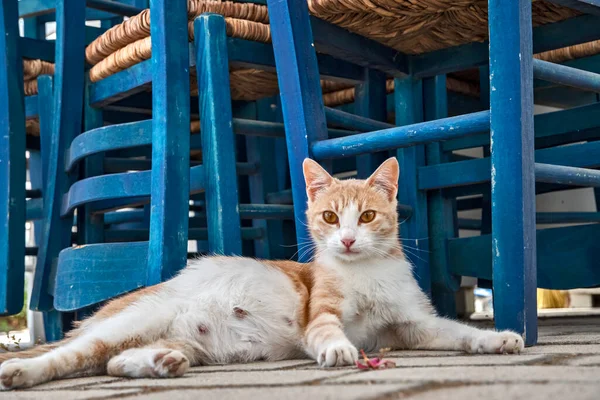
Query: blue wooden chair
x,y
106,167
429,181
28,57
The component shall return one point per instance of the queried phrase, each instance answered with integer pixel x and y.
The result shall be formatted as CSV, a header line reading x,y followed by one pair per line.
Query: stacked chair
x,y
129,178
167,127
418,44
29,125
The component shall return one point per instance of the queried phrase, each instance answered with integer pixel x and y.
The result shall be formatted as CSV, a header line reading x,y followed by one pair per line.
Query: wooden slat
x,y
566,257
440,209
408,95
585,6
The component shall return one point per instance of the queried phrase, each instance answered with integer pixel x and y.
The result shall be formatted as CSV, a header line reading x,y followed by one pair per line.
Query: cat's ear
x,y
385,178
316,178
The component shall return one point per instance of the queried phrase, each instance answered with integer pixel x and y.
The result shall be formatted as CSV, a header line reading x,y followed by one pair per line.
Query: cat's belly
x,y
241,312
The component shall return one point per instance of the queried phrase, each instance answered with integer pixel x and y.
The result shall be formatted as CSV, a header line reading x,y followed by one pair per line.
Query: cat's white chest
x,y
373,300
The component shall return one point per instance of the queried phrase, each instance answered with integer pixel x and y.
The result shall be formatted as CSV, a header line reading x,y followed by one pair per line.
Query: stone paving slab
x,y
478,374
330,392
566,364
69,395
198,378
503,392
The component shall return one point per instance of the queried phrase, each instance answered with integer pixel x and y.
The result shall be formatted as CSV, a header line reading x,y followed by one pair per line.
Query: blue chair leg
x,y
304,116
371,98
69,65
218,139
440,209
513,177
12,163
408,96
262,151
53,320
167,251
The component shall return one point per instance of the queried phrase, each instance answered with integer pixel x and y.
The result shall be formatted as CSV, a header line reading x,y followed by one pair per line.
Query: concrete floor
x,y
565,364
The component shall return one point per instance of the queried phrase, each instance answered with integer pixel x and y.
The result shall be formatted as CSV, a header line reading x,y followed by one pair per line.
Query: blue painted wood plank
x,y
167,252
567,175
370,103
545,37
551,129
34,207
565,75
566,217
555,248
106,138
12,163
262,150
282,197
342,44
33,8
45,118
512,173
582,155
300,92
347,120
402,136
90,226
38,174
93,273
67,124
37,49
585,6
114,7
202,234
32,28
440,211
218,139
121,85
119,186
31,106
486,209
249,54
408,98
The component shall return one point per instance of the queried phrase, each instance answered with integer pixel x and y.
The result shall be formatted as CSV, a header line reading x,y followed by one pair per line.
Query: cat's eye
x,y
330,217
367,216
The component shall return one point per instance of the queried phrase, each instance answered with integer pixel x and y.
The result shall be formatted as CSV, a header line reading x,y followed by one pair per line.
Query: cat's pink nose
x,y
348,242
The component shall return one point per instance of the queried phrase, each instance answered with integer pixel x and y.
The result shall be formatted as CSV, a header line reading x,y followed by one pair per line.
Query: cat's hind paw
x,y
338,354
17,373
505,342
170,364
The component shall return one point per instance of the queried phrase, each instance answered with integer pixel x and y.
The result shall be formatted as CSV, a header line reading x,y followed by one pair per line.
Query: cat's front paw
x,y
490,342
338,354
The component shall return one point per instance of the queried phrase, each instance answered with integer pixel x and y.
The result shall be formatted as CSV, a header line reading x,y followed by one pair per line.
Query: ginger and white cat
x,y
358,293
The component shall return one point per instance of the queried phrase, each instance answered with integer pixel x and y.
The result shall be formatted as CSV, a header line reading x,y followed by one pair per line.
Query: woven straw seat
x,y
32,69
415,27
129,43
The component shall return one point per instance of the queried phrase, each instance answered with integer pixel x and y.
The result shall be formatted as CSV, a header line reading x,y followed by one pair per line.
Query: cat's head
x,y
353,220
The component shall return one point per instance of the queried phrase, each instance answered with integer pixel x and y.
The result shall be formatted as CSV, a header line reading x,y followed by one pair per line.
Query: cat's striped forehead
x,y
352,193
